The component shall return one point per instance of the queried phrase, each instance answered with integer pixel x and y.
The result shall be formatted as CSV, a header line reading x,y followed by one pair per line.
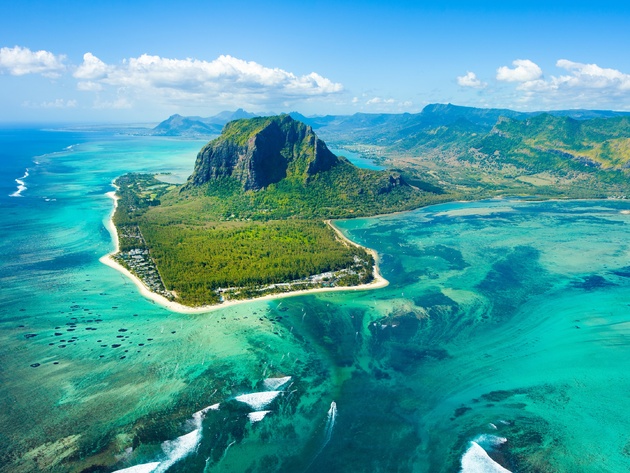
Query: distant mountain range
x,y
378,127
477,151
177,125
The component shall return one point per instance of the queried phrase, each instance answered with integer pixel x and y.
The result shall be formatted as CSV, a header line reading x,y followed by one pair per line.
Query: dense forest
x,y
203,259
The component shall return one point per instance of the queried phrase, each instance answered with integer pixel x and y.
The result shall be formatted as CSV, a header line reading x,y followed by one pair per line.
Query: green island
x,y
254,217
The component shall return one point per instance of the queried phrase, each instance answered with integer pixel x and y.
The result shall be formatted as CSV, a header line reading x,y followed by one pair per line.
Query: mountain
x,y
228,116
561,142
177,125
437,126
480,151
262,151
403,131
276,167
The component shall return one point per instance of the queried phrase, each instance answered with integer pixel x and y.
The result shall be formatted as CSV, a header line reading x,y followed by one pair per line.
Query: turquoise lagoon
x,y
501,343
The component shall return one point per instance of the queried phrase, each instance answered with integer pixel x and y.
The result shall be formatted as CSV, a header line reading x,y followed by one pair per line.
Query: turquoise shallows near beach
x,y
501,343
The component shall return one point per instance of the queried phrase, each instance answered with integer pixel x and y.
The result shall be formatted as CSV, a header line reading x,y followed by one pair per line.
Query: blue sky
x,y
77,61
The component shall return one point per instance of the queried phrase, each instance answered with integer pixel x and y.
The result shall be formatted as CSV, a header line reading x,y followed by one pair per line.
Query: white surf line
x,y
175,449
21,186
257,416
476,458
258,401
275,383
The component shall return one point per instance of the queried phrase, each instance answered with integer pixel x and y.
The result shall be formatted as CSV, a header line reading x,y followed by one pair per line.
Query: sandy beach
x,y
378,282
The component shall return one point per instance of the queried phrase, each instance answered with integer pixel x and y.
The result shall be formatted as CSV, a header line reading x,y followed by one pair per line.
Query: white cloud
x,y
524,71
116,104
591,76
58,103
379,101
578,85
19,61
226,79
89,86
470,80
92,68
378,104
157,82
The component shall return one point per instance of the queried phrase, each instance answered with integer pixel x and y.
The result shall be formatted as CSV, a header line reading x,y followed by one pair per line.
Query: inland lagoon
x,y
500,344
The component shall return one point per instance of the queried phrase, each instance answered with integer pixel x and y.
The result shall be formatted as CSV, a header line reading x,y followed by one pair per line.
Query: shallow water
x,y
503,320
359,160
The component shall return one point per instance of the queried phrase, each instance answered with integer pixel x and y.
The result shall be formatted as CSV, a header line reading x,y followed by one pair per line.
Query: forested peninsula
x,y
251,219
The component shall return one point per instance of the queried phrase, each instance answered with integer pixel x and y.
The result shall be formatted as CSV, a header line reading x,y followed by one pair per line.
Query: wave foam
x,y
477,460
179,448
144,468
275,383
489,440
21,185
199,415
257,416
258,401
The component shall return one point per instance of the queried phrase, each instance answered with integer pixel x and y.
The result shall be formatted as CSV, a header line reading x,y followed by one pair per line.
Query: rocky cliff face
x,y
262,151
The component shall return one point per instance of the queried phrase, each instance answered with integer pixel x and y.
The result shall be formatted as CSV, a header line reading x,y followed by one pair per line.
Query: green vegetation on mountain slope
x,y
484,152
241,227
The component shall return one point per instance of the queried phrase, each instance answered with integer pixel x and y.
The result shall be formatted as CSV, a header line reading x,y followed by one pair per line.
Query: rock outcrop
x,y
261,151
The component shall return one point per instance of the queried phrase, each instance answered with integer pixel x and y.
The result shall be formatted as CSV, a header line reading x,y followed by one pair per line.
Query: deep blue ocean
x,y
501,343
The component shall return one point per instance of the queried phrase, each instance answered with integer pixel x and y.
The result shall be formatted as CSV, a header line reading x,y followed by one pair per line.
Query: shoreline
x,y
378,282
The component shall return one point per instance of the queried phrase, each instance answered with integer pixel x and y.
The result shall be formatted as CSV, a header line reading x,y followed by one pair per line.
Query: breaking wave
x,y
258,401
257,416
275,383
477,460
21,186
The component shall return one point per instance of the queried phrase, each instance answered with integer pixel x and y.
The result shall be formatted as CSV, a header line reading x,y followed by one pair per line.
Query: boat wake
x,y
330,423
328,430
